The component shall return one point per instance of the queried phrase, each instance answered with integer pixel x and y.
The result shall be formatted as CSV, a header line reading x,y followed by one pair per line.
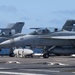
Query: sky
x,y
36,13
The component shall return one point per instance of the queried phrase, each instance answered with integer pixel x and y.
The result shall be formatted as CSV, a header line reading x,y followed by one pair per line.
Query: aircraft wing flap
x,y
59,37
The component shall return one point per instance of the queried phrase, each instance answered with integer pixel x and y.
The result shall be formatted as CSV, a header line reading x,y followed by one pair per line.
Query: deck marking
x,y
18,73
41,70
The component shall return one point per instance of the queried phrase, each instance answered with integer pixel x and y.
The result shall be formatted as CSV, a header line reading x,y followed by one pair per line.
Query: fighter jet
x,y
50,41
11,31
44,38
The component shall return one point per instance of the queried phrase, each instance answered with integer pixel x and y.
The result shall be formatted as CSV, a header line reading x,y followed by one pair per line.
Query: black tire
x,y
46,55
11,55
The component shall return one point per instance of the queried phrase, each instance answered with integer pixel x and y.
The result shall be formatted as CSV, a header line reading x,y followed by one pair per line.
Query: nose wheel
x,y
46,55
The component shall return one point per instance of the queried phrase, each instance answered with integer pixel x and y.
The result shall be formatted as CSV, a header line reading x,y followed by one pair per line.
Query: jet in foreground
x,y
48,41
45,38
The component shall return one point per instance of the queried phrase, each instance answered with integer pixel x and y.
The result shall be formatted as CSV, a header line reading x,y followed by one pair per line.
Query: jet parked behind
x,y
11,31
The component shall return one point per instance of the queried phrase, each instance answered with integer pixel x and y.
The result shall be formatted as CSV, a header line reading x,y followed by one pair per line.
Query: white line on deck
x,y
41,70
18,73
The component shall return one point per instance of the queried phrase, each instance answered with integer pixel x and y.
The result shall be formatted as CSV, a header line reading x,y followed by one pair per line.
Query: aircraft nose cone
x,y
5,43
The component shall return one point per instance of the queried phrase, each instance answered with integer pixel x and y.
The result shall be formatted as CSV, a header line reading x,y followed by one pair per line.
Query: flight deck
x,y
54,65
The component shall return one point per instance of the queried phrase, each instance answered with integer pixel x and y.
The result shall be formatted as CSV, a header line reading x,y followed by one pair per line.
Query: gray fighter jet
x,y
11,31
45,38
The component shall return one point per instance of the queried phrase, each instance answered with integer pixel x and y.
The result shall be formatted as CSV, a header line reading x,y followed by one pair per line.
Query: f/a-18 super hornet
x,y
11,31
44,38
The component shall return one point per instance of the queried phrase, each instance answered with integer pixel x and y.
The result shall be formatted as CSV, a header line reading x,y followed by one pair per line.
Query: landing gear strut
x,y
47,51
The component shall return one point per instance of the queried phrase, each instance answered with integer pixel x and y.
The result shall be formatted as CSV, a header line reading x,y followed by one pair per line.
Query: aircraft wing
x,y
59,37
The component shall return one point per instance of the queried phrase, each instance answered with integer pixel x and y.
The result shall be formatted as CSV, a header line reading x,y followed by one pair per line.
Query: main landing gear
x,y
46,55
47,51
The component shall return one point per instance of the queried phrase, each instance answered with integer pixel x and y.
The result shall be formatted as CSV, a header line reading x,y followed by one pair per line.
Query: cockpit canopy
x,y
41,31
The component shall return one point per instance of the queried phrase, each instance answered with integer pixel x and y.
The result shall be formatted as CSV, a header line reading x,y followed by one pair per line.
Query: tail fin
x,y
16,26
69,25
12,28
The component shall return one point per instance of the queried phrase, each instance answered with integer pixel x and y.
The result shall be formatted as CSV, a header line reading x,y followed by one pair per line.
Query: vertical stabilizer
x,y
16,26
69,25
12,28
